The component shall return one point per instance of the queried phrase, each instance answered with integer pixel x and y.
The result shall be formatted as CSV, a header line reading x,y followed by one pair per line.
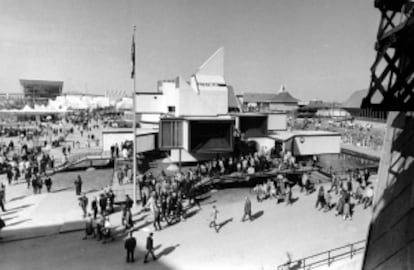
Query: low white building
x,y
146,138
80,101
307,142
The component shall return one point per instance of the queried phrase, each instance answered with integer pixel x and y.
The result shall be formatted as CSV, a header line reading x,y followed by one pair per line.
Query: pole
x,y
179,160
134,125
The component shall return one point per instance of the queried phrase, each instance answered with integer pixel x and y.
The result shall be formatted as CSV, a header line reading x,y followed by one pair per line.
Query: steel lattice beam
x,y
392,74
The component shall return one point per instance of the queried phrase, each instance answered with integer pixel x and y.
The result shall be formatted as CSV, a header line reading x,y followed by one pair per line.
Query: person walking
x,y
130,245
120,176
34,184
153,207
100,221
2,225
127,218
304,180
39,184
150,248
107,230
48,183
321,198
213,221
128,202
289,198
347,206
28,176
94,207
9,174
89,228
247,209
111,197
78,185
83,203
2,197
102,203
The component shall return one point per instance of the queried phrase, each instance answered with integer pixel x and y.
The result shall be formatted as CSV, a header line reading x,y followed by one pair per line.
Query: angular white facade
x,y
205,93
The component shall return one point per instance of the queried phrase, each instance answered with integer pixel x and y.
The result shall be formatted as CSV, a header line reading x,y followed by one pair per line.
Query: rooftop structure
x,y
39,91
206,91
353,106
266,102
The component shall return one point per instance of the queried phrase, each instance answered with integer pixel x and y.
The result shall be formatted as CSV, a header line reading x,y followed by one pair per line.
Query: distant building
x,y
40,91
353,106
319,108
81,101
269,102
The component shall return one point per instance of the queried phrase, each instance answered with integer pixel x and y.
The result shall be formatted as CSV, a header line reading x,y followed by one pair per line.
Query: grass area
x,y
92,180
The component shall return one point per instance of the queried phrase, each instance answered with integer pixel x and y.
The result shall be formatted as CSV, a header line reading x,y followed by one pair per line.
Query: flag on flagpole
x,y
133,56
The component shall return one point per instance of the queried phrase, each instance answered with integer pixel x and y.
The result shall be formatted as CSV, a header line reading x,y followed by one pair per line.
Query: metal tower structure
x,y
392,74
390,241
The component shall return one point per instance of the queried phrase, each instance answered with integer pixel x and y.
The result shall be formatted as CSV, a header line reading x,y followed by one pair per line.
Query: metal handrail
x,y
307,262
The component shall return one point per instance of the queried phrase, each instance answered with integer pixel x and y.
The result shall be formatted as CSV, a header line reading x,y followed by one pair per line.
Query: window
x,y
171,108
171,133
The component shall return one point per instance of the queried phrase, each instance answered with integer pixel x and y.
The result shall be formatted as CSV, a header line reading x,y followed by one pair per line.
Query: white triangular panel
x,y
214,65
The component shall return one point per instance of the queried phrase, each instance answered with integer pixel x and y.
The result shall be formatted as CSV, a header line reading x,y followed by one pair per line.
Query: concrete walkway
x,y
30,216
299,229
367,152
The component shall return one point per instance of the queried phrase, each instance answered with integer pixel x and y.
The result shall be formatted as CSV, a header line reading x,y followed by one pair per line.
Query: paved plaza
x,y
50,226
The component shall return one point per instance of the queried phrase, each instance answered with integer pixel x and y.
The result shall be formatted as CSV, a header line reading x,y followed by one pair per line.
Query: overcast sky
x,y
320,49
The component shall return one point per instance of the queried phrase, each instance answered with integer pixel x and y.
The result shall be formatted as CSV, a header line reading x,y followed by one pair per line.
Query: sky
x,y
319,49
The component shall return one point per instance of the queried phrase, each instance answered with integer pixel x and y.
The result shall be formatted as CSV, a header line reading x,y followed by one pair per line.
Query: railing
x,y
80,155
326,257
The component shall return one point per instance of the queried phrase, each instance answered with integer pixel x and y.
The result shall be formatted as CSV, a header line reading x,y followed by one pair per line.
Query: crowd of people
x,y
102,206
163,196
352,188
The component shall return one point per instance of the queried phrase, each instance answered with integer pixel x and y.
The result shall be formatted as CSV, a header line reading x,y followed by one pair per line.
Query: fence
x,y
326,257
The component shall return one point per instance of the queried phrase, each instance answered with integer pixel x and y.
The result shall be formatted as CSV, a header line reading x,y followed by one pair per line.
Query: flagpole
x,y
134,124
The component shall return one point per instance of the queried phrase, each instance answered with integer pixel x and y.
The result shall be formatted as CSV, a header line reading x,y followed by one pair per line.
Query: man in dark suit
x,y
130,245
150,248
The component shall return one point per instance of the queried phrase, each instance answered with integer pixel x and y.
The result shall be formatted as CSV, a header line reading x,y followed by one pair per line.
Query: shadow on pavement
x,y
224,223
9,218
203,198
17,198
139,219
12,235
142,226
257,215
18,222
92,190
210,202
60,189
83,253
20,207
8,212
191,213
295,200
167,250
